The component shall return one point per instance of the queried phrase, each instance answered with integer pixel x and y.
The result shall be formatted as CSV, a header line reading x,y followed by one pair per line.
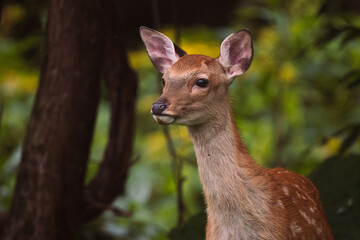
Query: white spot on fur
x,y
295,229
286,191
304,197
280,203
312,209
307,218
318,230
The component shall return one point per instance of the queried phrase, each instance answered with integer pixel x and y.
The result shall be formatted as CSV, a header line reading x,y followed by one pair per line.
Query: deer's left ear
x,y
236,53
162,51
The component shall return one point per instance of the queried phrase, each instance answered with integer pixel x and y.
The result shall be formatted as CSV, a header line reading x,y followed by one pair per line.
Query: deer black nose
x,y
159,107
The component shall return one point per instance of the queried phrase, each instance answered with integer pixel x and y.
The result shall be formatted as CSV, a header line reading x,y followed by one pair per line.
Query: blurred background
x,y
296,107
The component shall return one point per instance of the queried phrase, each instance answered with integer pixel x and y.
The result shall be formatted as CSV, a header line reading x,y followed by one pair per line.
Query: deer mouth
x,y
164,119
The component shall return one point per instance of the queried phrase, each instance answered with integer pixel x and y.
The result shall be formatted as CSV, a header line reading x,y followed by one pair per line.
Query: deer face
x,y
195,86
192,86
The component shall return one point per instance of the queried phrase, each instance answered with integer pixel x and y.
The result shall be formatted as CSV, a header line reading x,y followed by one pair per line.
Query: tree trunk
x,y
48,201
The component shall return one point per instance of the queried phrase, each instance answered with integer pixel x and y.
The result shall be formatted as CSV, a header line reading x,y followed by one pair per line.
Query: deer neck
x,y
234,185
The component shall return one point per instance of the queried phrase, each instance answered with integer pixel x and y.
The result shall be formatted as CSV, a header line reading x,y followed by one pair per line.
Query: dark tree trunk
x,y
48,193
48,201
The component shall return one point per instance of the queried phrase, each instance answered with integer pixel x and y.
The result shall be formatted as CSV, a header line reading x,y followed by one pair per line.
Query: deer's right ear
x,y
162,51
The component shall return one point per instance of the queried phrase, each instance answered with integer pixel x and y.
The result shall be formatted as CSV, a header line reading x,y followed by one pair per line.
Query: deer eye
x,y
202,82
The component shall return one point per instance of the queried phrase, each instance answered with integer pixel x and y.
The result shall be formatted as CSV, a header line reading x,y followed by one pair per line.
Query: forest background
x,y
104,169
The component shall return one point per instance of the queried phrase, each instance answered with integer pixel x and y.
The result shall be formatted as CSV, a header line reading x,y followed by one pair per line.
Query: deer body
x,y
244,200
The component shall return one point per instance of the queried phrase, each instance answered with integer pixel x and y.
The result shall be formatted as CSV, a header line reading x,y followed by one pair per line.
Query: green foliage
x,y
296,106
297,90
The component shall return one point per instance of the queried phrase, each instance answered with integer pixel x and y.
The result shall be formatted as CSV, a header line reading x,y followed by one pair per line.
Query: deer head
x,y
195,86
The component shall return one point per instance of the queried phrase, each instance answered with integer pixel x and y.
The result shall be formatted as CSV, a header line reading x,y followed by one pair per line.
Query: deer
x,y
243,199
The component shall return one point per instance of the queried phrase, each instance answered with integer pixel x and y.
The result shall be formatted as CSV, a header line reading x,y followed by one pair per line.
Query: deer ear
x,y
162,51
236,53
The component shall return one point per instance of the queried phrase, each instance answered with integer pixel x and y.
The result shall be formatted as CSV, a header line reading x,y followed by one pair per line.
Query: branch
x,y
115,210
121,84
177,166
176,162
1,109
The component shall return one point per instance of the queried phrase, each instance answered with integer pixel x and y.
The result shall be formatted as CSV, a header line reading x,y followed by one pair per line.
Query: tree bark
x,y
48,201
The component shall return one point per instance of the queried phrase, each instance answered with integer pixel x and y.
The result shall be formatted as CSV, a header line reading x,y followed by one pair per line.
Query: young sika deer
x,y
244,200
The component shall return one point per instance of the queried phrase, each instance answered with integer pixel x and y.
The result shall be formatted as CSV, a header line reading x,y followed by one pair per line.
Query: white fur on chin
x,y
164,119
